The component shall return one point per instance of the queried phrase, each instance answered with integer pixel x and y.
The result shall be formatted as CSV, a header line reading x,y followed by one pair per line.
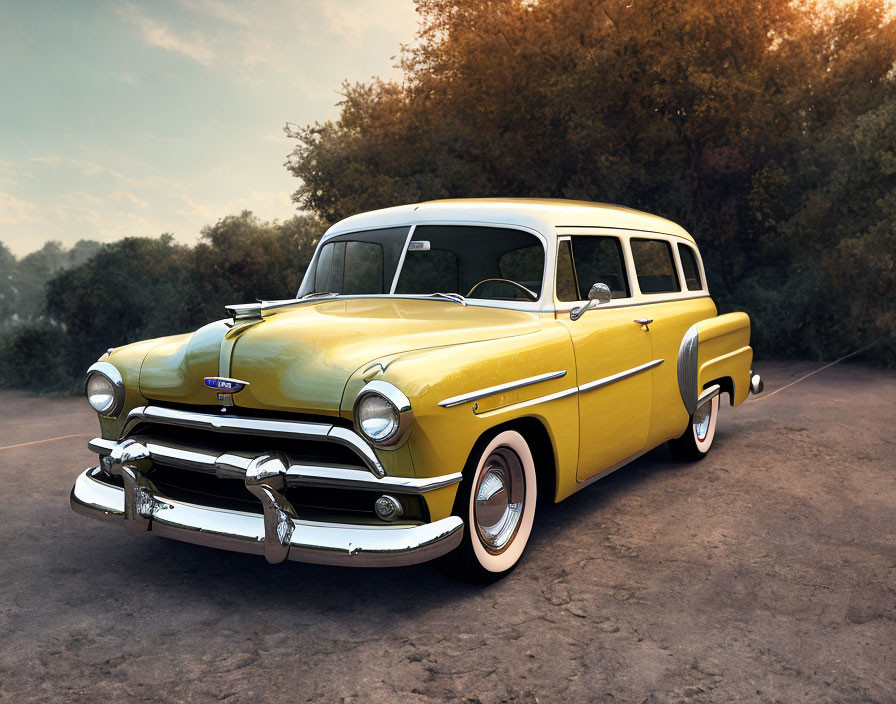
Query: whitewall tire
x,y
696,441
497,500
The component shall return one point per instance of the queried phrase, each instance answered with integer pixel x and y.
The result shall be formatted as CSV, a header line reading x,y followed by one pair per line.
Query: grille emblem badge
x,y
225,387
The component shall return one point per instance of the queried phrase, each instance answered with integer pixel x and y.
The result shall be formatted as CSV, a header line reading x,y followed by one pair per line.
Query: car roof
x,y
542,214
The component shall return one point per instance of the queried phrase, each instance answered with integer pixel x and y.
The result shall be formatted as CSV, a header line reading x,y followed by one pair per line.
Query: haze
x,y
126,119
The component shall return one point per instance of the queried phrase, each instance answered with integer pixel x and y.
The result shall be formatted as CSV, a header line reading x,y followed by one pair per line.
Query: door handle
x,y
643,322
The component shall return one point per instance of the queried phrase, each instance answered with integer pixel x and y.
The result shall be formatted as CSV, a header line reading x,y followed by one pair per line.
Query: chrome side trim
x,y
610,470
590,386
607,380
563,309
305,541
298,430
687,369
232,466
500,388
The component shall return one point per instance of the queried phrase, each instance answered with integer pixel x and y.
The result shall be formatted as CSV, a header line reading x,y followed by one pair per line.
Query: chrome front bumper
x,y
295,539
216,446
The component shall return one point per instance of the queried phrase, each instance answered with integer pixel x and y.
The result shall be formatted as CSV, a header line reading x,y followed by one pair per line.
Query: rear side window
x,y
595,260
689,266
654,266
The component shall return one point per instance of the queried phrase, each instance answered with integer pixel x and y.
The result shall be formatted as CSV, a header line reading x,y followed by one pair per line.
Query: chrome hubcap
x,y
701,420
500,496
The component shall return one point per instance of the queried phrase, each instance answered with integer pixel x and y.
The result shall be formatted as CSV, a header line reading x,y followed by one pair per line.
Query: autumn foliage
x,y
767,129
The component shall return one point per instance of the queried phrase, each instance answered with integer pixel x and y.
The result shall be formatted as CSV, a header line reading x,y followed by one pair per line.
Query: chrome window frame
x,y
637,298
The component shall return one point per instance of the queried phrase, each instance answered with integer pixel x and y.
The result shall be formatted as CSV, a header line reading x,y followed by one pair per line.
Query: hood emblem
x,y
223,385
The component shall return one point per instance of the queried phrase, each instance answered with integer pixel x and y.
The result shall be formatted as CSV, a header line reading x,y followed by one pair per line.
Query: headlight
x,y
383,414
105,389
377,417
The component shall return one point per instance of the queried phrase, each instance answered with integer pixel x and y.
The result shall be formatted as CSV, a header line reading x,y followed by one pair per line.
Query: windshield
x,y
492,263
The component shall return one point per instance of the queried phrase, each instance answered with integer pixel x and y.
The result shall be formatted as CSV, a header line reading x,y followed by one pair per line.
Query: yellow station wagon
x,y
442,366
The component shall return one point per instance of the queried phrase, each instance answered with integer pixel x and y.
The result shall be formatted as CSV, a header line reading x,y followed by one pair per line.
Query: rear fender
x,y
715,349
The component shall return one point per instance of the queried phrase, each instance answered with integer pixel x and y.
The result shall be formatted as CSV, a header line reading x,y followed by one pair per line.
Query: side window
x,y
598,260
350,267
690,268
567,289
524,265
363,268
655,266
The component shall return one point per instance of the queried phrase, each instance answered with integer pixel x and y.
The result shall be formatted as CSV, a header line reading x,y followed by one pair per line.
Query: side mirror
x,y
598,295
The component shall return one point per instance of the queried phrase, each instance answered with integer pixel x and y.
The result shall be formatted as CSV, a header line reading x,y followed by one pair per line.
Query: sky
x,y
137,118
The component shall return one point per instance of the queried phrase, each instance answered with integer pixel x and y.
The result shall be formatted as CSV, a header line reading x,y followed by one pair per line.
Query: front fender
x,y
443,437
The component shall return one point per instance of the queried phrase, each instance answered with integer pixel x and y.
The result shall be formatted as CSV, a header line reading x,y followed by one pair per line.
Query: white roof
x,y
540,214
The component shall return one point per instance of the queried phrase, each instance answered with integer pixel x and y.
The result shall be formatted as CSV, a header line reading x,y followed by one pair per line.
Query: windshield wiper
x,y
453,297
317,294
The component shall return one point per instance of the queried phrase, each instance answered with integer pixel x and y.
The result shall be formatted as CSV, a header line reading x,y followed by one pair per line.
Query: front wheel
x,y
496,499
696,441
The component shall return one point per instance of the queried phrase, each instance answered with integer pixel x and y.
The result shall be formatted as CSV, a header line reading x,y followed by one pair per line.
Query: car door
x,y
613,354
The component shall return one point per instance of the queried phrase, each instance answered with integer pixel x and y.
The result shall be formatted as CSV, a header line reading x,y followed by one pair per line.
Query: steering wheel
x,y
503,281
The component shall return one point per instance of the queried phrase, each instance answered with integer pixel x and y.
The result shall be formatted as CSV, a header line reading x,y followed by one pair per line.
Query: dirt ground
x,y
765,573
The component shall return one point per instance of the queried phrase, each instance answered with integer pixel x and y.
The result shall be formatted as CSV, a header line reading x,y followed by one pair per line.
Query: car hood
x,y
299,358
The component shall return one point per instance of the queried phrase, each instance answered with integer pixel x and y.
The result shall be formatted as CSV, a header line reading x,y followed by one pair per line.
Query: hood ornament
x,y
226,388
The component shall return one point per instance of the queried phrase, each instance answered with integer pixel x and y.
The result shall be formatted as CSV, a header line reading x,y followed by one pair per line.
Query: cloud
x,y
158,35
219,10
15,211
10,175
352,22
82,197
86,167
196,211
123,197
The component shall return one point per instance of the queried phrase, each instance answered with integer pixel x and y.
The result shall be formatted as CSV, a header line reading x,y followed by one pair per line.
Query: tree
x,y
738,120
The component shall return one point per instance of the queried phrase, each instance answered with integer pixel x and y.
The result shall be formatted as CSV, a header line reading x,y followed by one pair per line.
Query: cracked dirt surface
x,y
765,573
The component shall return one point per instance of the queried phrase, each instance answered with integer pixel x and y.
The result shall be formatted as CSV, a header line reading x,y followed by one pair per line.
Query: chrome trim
x,y
533,402
400,265
232,466
401,404
110,371
101,446
528,290
644,323
599,295
562,310
708,394
607,380
299,430
393,506
500,388
309,541
235,385
528,307
609,470
756,385
245,312
589,386
687,369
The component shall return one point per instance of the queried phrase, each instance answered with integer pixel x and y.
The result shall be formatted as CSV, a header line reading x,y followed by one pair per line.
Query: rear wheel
x,y
696,441
497,500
